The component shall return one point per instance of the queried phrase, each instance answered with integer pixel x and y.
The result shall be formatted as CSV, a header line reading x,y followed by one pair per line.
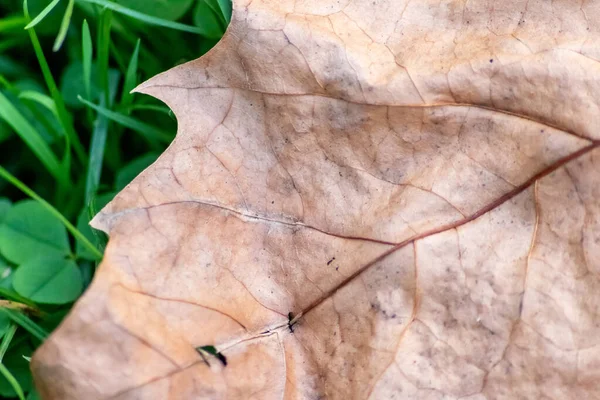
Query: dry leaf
x,y
415,181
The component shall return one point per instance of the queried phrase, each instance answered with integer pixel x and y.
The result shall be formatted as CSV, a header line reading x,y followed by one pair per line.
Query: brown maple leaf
x,y
381,199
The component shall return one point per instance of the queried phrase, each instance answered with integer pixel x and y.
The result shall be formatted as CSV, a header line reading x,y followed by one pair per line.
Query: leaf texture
x,y
416,182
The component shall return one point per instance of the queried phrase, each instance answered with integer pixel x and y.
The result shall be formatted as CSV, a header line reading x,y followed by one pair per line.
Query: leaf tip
x,y
101,222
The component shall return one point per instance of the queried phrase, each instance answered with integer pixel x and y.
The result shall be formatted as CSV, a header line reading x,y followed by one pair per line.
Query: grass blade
x,y
64,26
148,19
13,382
64,116
74,231
130,77
226,7
6,339
50,122
147,131
4,82
117,53
43,14
12,22
97,147
149,107
41,99
33,139
26,323
124,31
17,298
99,134
87,51
218,11
103,40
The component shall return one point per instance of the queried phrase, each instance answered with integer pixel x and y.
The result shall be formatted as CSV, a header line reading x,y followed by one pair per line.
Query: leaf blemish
x,y
292,320
211,350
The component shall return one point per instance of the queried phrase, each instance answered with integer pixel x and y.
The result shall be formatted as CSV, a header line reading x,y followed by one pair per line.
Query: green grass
x,y
71,136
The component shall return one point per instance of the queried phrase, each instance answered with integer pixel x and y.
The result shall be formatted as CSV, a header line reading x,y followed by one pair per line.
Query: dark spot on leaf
x,y
213,352
521,306
290,323
222,358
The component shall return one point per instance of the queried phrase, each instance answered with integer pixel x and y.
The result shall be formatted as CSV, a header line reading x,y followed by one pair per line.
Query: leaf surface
x,y
365,199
